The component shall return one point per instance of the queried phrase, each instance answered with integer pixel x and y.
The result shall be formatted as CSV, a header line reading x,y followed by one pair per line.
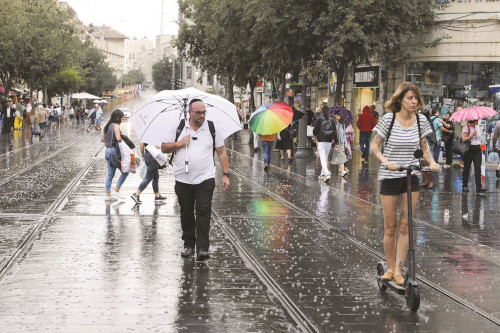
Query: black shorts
x,y
398,186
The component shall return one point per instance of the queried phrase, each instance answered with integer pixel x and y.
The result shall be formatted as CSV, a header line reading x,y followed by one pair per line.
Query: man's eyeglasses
x,y
200,113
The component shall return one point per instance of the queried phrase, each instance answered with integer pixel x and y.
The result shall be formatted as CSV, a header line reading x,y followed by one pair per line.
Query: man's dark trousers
x,y
195,230
364,142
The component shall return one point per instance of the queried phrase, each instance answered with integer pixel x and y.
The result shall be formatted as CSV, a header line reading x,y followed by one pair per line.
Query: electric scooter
x,y
410,287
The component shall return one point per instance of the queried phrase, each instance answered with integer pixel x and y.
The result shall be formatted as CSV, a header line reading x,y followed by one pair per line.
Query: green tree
x,y
135,76
162,74
49,42
65,82
361,31
216,37
12,25
97,74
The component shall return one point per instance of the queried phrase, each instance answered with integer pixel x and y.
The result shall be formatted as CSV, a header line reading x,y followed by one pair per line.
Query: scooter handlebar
x,y
407,167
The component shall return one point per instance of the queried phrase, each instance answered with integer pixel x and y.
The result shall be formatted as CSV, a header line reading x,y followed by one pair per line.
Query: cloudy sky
x,y
139,18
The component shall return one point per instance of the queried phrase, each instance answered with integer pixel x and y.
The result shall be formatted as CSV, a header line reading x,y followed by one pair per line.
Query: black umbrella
x,y
297,114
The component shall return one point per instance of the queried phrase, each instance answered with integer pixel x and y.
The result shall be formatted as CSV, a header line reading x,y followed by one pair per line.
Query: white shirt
x,y
200,154
402,143
8,112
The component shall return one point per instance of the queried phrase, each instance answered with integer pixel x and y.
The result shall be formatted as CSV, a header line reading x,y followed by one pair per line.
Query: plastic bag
x,y
144,171
160,157
493,157
126,160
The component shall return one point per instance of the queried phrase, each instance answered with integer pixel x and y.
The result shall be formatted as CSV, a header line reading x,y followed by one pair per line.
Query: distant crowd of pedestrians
x,y
37,117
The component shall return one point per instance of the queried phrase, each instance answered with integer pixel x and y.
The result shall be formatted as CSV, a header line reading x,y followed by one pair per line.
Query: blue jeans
x,y
151,175
111,171
436,152
364,142
267,149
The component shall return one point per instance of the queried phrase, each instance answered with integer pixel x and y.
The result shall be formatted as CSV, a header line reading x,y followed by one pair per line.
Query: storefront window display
x,y
453,84
449,85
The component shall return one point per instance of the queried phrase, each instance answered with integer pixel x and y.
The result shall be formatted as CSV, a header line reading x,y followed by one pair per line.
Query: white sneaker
x,y
111,198
321,177
344,173
327,178
118,195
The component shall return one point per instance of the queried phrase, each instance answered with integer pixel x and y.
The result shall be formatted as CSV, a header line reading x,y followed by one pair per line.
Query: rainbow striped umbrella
x,y
271,118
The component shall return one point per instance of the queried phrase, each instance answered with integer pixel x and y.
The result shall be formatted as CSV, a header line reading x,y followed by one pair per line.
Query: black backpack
x,y
179,129
327,130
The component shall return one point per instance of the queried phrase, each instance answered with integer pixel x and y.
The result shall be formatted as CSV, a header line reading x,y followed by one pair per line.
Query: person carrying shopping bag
x,y
324,133
339,156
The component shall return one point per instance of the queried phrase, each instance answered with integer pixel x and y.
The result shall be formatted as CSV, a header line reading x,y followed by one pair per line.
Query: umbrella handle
x,y
186,162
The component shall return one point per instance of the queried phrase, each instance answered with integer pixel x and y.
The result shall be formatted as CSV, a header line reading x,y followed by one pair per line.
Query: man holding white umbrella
x,y
195,188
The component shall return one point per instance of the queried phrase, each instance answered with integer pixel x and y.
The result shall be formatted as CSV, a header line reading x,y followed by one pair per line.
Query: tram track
x,y
286,301
47,216
373,204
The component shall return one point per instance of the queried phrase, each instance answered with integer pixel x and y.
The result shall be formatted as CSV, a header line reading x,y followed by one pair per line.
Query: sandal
x,y
388,275
399,279
430,187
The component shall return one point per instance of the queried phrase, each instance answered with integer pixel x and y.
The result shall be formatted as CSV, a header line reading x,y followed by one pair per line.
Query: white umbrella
x,y
97,101
104,101
163,112
84,95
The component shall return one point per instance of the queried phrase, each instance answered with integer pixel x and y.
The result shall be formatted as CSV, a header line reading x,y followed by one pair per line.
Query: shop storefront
x,y
365,89
453,84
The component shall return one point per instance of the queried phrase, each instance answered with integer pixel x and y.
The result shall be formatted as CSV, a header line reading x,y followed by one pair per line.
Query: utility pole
x,y
161,23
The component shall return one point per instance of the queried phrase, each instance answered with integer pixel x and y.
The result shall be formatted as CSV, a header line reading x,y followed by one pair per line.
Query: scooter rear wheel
x,y
412,297
380,272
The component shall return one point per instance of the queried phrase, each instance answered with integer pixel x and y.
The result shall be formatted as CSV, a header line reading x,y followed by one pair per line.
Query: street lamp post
x,y
172,60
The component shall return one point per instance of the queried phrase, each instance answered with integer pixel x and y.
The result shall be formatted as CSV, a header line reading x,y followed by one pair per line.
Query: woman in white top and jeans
x,y
405,137
472,133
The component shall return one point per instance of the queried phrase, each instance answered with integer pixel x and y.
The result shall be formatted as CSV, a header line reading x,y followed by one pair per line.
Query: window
x,y
189,72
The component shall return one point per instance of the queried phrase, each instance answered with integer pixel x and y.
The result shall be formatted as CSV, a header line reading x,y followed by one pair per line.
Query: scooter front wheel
x,y
412,296
381,271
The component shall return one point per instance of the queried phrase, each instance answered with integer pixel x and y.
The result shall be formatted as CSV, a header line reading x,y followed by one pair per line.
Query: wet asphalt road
x,y
95,267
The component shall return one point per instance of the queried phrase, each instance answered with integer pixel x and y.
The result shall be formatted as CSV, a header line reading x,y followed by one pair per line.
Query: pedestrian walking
x,y
324,133
267,149
18,121
447,136
495,141
71,113
195,189
7,116
110,136
432,143
93,116
339,156
402,131
472,133
65,114
285,142
152,175
98,118
366,122
41,119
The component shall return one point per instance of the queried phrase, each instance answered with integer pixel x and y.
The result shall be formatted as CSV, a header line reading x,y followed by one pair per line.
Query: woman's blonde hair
x,y
394,105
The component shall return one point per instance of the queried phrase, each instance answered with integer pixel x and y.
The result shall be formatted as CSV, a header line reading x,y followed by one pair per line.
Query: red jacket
x,y
366,120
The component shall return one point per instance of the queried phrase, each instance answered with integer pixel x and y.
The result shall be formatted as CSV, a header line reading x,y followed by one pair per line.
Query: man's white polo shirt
x,y
200,154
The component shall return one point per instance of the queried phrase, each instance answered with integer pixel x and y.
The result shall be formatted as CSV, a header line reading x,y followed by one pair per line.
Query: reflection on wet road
x,y
116,266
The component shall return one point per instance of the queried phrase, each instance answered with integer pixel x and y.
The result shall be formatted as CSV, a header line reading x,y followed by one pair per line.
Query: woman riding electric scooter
x,y
402,134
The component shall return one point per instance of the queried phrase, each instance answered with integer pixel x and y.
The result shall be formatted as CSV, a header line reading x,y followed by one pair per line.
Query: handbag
x,y
36,129
460,147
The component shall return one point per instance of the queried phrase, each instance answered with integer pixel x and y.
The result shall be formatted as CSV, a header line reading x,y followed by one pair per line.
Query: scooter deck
x,y
393,285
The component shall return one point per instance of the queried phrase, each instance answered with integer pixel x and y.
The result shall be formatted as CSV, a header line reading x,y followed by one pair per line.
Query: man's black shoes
x,y
465,189
188,252
203,255
482,189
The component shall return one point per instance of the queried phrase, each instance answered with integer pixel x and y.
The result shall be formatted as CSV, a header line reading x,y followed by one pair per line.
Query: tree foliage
x,y
135,76
41,46
162,74
245,40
